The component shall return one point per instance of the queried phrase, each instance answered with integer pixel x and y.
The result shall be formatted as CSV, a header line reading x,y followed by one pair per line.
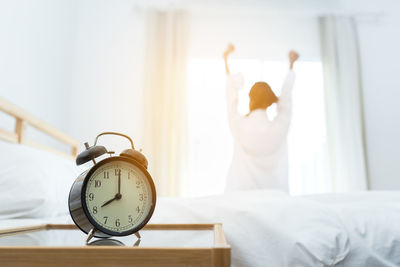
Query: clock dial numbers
x,y
118,196
97,183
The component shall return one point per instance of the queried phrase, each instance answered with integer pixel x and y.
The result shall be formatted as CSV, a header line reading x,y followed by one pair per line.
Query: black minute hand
x,y
118,195
119,182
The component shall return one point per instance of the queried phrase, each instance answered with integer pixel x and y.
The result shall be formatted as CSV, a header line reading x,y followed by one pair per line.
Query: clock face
x,y
119,197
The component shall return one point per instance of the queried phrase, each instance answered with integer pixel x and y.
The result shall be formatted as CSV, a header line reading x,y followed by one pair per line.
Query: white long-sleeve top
x,y
260,157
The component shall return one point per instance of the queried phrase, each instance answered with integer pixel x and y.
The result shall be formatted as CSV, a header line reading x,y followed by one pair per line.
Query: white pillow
x,y
34,183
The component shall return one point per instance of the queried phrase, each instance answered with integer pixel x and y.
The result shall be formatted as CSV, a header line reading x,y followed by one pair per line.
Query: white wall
x,y
107,90
73,64
380,56
36,57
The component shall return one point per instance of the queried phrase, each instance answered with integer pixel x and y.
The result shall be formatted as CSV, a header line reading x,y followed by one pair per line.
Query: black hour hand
x,y
109,201
117,196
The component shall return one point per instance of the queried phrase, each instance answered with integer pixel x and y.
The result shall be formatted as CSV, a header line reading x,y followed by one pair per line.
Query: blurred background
x,y
154,70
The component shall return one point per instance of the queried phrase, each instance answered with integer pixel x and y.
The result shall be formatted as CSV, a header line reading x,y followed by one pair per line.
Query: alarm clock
x,y
116,196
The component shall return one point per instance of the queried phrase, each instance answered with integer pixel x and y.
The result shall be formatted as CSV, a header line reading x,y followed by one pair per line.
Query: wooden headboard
x,y
23,119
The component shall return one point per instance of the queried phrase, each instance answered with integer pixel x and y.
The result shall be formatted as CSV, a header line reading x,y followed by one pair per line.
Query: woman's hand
x,y
293,56
229,50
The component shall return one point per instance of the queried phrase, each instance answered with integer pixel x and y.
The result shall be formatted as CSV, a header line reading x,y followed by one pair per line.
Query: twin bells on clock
x,y
96,151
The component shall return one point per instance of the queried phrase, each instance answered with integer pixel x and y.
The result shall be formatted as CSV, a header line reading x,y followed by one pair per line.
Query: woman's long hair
x,y
261,96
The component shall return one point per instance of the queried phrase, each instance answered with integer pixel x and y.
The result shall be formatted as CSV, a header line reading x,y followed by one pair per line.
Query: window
x,y
210,140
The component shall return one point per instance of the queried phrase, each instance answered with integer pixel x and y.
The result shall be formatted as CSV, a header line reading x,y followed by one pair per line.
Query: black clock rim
x,y
83,199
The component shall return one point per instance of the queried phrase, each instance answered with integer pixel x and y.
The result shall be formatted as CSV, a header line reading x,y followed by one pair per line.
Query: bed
x,y
263,227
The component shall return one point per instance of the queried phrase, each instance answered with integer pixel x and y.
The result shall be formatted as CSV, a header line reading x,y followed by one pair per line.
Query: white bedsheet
x,y
371,220
270,228
267,228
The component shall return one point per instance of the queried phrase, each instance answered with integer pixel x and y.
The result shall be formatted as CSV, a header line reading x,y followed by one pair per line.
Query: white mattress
x,y
270,228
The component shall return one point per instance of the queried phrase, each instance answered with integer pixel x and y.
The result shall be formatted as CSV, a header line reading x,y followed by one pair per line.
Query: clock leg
x,y
137,234
90,235
138,239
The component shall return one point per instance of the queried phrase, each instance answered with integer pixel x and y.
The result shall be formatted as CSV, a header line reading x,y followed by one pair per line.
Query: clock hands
x,y
119,182
118,195
109,201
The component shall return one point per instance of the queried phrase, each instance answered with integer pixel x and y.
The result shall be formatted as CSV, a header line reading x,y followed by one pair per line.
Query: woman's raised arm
x,y
227,52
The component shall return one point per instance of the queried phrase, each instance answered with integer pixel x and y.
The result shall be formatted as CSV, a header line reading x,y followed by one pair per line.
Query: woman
x,y
260,149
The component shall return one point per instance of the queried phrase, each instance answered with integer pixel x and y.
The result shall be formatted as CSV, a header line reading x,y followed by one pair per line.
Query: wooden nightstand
x,y
160,245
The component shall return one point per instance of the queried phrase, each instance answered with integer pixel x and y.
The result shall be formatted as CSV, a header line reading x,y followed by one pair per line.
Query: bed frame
x,y
24,119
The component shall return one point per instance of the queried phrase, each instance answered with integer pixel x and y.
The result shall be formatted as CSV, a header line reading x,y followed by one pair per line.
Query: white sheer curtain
x,y
165,103
343,92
